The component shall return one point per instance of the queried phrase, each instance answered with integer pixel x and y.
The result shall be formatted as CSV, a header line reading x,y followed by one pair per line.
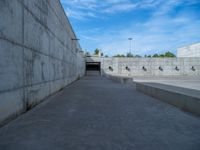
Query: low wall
x,y
120,79
151,66
186,99
37,54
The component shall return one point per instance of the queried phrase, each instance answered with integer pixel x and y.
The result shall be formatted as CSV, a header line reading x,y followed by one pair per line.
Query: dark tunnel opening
x,y
93,68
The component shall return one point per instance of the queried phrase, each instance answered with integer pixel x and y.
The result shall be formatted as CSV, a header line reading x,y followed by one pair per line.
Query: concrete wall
x,y
37,55
189,51
185,66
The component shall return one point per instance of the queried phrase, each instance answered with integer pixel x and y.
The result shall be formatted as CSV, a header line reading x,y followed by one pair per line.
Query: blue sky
x,y
156,26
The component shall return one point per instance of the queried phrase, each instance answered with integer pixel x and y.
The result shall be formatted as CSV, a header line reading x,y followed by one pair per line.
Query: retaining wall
x,y
37,54
186,99
150,66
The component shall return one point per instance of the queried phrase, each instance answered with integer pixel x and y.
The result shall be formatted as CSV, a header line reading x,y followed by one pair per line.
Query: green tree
x,y
87,54
97,51
149,56
169,54
138,56
129,54
119,55
155,55
162,55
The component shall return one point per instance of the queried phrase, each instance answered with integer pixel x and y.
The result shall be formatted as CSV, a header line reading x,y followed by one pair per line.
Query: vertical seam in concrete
x,y
24,87
49,58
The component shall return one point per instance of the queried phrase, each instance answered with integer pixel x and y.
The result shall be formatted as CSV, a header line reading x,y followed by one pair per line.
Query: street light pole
x,y
130,39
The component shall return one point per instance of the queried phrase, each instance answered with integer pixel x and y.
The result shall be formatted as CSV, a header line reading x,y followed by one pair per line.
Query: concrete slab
x,y
11,66
95,113
11,104
36,36
186,99
36,67
182,91
190,82
34,94
11,23
39,9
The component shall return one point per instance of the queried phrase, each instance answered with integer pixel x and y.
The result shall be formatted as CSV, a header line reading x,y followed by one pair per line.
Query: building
x,y
189,51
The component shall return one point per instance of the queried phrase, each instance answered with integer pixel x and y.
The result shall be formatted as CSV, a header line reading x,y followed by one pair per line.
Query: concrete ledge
x,y
120,79
186,99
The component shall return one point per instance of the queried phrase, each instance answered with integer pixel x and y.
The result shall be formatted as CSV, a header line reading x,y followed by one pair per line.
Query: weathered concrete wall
x,y
149,66
189,51
37,54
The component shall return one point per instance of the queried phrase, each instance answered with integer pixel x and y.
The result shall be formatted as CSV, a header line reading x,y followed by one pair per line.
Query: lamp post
x,y
130,46
75,39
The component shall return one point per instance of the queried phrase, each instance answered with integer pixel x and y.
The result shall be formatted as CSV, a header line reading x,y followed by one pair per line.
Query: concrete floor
x,y
95,113
180,81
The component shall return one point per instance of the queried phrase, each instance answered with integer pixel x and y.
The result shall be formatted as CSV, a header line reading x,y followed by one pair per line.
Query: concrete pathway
x,y
95,113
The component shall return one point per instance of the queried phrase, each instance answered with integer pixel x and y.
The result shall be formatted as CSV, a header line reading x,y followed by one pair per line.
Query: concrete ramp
x,y
95,113
93,73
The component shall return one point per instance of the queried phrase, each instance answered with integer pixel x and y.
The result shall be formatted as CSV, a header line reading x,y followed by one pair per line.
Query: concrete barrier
x,y
120,79
186,99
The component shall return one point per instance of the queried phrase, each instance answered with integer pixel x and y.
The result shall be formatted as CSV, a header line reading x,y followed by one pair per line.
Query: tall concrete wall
x,y
149,66
37,54
189,51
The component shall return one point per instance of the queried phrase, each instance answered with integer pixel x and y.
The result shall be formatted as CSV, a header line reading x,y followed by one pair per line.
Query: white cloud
x,y
155,35
79,15
120,7
82,9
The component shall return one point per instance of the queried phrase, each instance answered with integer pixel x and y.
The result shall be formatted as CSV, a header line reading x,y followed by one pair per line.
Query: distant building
x,y
189,51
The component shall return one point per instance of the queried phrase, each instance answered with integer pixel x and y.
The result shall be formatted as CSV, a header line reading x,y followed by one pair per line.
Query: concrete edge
x,y
183,101
119,79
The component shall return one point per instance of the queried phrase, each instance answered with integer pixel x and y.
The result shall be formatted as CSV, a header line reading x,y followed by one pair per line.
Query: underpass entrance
x,y
93,68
